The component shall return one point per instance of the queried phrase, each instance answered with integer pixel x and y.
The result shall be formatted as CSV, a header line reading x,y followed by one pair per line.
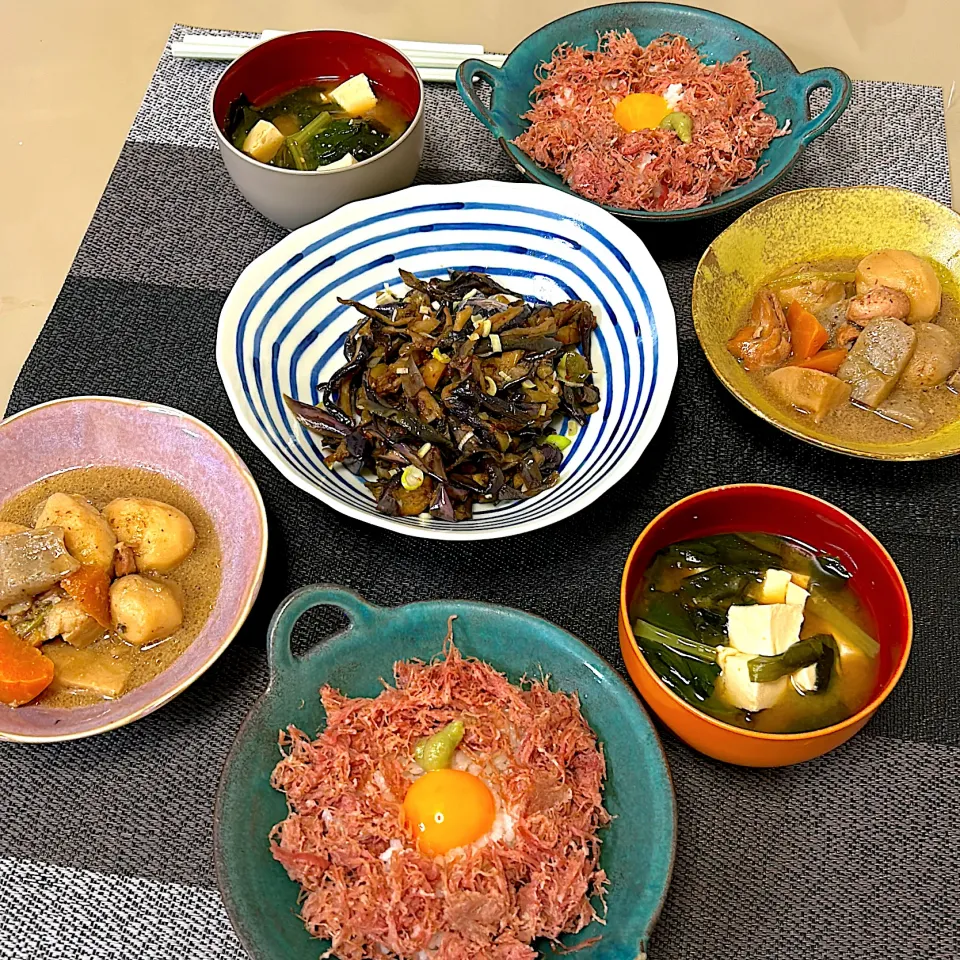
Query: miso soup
x,y
323,124
758,631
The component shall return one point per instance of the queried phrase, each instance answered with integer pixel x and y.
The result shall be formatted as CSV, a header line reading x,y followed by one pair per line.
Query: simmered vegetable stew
x,y
107,574
324,124
868,349
758,631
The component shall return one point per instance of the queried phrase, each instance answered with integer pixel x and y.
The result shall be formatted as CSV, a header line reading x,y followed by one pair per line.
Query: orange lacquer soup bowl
x,y
786,513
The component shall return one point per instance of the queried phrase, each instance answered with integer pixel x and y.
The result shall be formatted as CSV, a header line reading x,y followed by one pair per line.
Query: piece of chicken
x,y
765,340
124,560
878,302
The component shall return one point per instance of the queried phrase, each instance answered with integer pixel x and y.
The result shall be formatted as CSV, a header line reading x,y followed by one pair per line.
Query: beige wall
x,y
73,74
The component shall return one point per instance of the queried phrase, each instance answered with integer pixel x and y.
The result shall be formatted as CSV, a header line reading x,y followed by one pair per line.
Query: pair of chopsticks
x,y
436,62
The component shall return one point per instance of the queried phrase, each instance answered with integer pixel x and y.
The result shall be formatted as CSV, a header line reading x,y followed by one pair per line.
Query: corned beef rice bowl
x,y
647,128
456,815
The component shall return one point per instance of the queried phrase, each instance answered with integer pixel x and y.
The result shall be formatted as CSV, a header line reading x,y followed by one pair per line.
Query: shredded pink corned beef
x,y
345,790
572,130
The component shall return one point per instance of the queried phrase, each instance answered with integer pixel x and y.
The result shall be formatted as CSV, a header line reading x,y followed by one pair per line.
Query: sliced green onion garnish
x,y
411,478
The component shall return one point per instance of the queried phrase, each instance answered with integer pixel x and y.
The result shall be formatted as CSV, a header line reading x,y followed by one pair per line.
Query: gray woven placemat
x,y
106,849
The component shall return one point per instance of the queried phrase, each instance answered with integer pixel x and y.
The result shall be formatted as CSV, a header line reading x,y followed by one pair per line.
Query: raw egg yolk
x,y
448,809
640,111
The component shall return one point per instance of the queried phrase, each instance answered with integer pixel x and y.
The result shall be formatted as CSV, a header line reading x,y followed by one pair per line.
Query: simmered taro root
x,y
936,356
87,535
877,360
160,536
144,609
74,594
449,395
877,331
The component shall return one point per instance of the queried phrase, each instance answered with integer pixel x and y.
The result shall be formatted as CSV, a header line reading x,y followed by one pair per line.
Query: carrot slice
x,y
90,587
24,671
826,360
807,333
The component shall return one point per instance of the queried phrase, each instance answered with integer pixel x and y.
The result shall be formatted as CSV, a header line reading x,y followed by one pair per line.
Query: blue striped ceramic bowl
x,y
281,329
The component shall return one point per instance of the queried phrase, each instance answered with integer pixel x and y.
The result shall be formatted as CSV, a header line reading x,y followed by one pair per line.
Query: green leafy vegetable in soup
x,y
757,630
319,125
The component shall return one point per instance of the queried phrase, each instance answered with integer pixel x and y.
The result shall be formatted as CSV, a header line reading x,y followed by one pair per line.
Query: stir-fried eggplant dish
x,y
449,395
758,631
103,584
868,348
321,125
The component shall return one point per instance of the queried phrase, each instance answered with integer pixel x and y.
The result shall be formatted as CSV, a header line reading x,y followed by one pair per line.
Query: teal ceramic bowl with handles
x,y
638,846
718,38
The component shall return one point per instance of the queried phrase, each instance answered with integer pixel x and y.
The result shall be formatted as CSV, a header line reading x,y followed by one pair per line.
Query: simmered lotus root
x,y
85,532
160,536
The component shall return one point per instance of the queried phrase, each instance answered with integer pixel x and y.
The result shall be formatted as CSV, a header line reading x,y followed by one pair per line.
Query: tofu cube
x,y
796,595
355,95
347,160
765,628
735,687
263,141
805,680
774,586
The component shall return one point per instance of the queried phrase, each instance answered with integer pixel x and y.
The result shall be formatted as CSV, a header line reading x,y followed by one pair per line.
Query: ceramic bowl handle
x,y
279,654
467,74
840,90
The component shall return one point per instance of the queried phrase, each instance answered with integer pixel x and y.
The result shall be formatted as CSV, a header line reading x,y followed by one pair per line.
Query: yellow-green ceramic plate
x,y
819,224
